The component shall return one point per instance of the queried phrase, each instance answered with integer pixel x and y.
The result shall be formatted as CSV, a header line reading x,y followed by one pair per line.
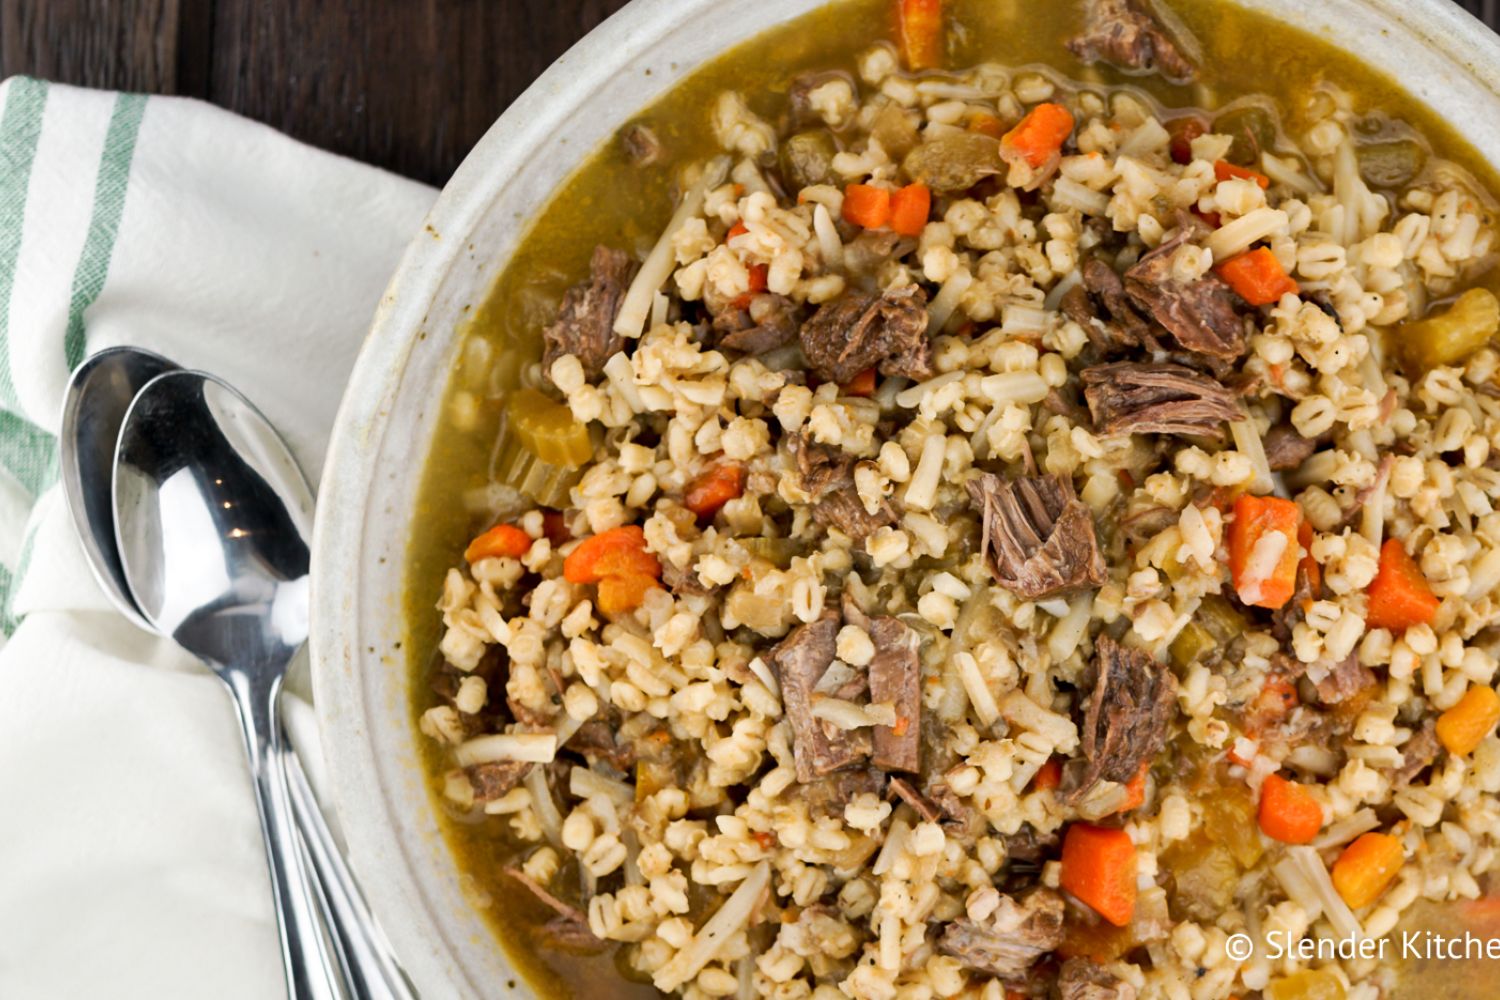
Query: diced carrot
x,y
717,486
1399,595
1183,131
1309,566
866,206
616,552
555,527
759,274
624,592
1224,170
1464,726
1212,220
1048,776
1039,136
1257,277
862,384
909,209
1099,867
1135,790
1254,542
501,540
987,124
1366,867
738,229
919,29
1288,811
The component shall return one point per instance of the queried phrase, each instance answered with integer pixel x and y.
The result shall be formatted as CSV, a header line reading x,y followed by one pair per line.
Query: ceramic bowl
x,y
1442,56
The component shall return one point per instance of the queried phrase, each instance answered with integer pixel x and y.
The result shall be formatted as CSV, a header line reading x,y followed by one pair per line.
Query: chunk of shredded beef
x,y
1346,680
570,930
1037,535
859,331
821,468
907,792
1124,34
642,147
1101,306
1085,979
585,323
826,474
1130,398
1131,698
1007,944
829,795
1199,314
1418,753
895,677
844,510
494,780
800,660
1286,449
799,95
766,323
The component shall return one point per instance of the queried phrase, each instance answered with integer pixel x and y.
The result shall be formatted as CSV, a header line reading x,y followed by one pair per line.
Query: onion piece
x,y
977,689
1071,627
1341,832
732,917
1247,441
657,268
941,308
1306,881
830,247
764,674
538,748
545,807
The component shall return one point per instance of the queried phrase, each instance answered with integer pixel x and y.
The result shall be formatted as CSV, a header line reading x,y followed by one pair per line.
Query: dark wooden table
x,y
408,85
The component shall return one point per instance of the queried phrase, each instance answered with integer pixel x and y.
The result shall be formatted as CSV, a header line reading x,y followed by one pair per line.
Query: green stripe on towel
x,y
28,453
20,128
104,223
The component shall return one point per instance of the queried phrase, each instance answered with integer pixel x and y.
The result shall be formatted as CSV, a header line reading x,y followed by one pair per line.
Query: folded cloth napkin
x,y
130,857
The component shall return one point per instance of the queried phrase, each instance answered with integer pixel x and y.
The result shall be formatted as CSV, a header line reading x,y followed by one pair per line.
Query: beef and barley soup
x,y
980,498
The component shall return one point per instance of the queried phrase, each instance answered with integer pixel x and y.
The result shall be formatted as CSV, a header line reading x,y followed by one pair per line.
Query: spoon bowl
x,y
98,395
212,520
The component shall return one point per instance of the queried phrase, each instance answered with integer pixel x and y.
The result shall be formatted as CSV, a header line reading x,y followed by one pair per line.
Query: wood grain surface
x,y
408,85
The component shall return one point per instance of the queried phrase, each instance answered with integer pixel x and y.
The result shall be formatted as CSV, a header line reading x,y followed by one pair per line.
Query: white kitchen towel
x,y
130,858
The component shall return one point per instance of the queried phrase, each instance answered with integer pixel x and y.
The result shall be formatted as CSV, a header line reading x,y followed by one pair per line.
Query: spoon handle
x,y
307,954
370,966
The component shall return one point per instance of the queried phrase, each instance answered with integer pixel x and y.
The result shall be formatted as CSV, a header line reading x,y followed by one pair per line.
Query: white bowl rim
x,y
359,444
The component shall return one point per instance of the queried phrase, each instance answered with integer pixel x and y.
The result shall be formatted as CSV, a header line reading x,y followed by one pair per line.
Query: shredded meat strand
x,y
585,322
1201,315
1085,979
1130,398
1037,535
768,322
1286,449
494,780
801,659
1124,34
1015,936
1131,699
907,792
858,331
896,677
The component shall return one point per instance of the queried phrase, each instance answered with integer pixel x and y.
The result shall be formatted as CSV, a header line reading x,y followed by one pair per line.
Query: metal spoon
x,y
212,518
98,395
94,406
